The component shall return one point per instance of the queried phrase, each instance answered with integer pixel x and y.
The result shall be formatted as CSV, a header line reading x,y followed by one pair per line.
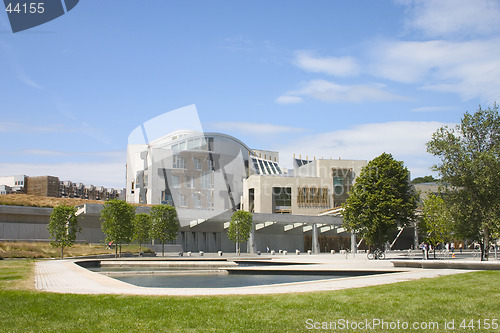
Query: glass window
x,y
207,180
211,144
197,164
182,145
196,201
182,201
189,182
210,199
262,167
175,181
268,168
178,162
277,167
166,199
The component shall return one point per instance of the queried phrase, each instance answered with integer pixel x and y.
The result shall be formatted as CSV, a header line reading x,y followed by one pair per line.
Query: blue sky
x,y
349,79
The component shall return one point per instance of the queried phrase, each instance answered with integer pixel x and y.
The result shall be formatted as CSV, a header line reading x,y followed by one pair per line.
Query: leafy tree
x,y
424,179
63,227
240,227
117,222
142,224
164,224
381,199
435,221
470,167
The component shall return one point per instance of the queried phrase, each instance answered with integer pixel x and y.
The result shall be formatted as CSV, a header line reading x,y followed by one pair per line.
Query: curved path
x,y
64,276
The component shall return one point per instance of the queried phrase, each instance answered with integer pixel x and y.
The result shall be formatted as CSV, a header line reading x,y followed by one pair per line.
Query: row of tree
x,y
468,206
122,225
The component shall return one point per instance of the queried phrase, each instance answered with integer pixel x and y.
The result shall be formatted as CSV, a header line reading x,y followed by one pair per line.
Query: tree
x,y
240,227
435,221
142,224
164,224
381,199
424,179
63,227
117,222
470,167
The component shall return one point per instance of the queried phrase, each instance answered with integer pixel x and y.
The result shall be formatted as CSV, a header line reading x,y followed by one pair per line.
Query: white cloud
x,y
285,99
333,92
434,109
471,69
341,66
405,140
452,18
254,128
106,174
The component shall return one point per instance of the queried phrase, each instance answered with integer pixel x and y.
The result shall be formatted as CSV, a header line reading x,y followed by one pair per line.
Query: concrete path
x,y
64,276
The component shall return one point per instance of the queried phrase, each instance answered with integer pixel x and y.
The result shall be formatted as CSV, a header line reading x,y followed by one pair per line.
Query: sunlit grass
x,y
463,296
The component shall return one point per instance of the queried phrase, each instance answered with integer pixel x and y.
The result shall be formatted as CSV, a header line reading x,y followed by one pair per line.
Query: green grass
x,y
457,297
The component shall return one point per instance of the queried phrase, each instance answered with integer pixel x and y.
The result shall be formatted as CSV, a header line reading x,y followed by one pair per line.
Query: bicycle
x,y
376,254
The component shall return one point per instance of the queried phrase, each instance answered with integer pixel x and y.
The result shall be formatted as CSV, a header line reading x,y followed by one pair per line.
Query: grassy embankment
x,y
49,202
458,297
37,250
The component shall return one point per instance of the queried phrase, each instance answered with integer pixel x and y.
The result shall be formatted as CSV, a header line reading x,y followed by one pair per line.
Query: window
x,y
256,166
262,167
210,199
210,144
179,162
197,164
196,201
268,168
282,197
182,200
338,183
166,199
175,181
189,182
207,180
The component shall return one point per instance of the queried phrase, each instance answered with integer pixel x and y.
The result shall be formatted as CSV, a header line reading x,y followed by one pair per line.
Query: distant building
x,y
50,186
14,184
43,186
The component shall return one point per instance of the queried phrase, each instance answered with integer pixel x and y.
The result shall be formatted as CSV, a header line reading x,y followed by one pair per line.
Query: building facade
x,y
208,176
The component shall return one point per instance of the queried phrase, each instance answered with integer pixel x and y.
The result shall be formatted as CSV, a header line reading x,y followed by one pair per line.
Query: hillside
x,y
36,201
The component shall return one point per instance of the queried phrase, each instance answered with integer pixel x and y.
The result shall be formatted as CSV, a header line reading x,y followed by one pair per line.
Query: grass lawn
x,y
458,297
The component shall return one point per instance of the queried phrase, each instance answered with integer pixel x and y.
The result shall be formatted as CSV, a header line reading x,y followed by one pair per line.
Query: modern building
x,y
208,176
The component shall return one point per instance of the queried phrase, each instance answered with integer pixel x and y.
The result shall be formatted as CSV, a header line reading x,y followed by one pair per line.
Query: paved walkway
x,y
64,276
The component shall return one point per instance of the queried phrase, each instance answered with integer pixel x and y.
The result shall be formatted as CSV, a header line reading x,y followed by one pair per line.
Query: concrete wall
x,y
30,223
